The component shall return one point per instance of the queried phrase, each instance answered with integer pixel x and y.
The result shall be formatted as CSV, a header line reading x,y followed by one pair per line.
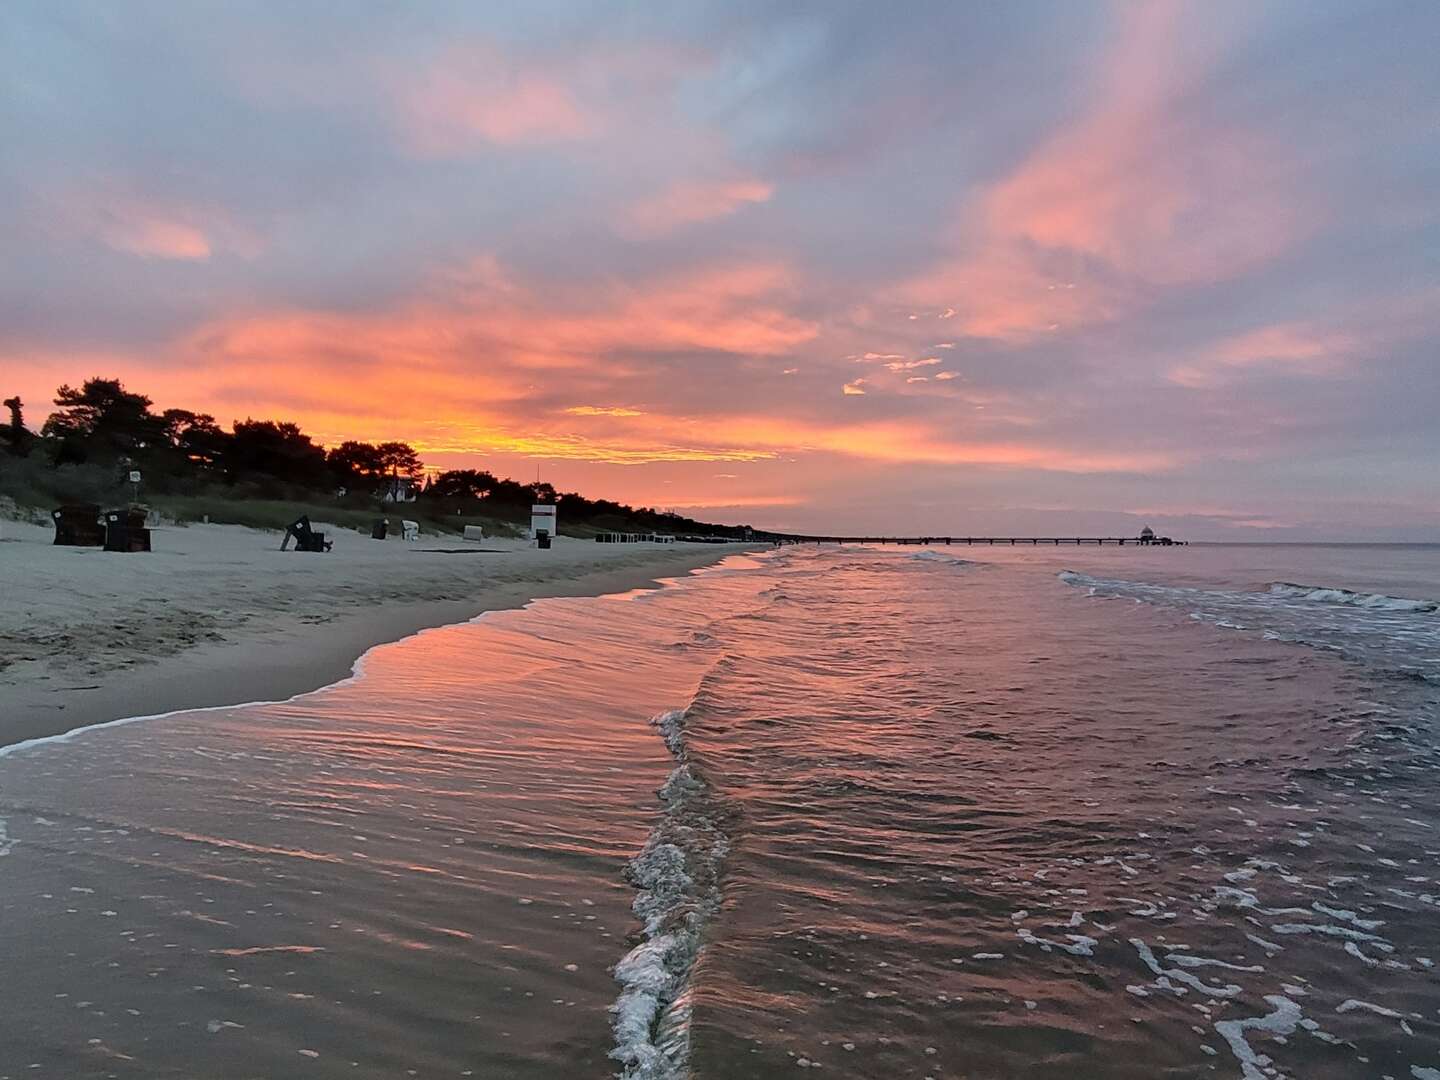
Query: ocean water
x,y
950,812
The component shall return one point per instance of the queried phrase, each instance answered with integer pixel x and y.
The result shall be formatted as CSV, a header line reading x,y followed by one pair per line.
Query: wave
x,y
1325,594
940,556
677,878
1393,634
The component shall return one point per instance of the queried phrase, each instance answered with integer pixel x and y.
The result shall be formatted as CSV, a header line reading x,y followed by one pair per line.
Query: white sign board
x,y
542,518
135,476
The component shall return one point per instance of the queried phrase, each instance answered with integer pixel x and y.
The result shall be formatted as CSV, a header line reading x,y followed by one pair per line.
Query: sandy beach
x,y
218,614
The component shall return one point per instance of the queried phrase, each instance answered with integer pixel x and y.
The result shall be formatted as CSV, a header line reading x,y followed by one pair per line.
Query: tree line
x,y
103,426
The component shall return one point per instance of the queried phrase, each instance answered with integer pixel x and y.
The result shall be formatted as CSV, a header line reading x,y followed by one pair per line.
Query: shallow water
x,y
960,812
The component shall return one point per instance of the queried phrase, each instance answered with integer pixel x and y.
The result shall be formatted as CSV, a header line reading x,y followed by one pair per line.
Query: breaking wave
x,y
677,881
941,557
1392,633
1324,594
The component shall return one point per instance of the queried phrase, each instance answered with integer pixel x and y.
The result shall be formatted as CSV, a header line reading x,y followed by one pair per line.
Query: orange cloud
x,y
734,309
472,364
455,370
892,441
601,410
749,502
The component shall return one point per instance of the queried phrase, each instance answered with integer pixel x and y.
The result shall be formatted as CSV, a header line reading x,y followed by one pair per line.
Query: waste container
x,y
542,539
381,528
79,525
125,530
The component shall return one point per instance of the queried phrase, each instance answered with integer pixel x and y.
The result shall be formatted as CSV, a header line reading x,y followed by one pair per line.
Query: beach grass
x,y
277,513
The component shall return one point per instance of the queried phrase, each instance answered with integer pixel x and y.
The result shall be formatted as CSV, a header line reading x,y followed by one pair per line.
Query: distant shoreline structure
x,y
1147,538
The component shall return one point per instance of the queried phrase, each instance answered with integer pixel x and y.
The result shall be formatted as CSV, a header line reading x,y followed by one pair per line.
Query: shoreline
x,y
285,655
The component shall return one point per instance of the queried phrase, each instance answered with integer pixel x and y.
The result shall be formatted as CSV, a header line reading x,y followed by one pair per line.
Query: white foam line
x,y
1175,974
1351,1004
1282,1021
677,891
75,733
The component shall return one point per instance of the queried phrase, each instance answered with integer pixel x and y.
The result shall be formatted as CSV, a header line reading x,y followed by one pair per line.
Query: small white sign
x,y
134,476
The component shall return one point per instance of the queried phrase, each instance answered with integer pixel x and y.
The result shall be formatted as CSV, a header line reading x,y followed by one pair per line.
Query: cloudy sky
x,y
844,266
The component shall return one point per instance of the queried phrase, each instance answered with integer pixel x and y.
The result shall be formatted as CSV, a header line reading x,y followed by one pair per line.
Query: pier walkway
x,y
971,541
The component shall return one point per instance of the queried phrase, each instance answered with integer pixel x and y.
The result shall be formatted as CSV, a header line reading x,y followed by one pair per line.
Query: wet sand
x,y
218,615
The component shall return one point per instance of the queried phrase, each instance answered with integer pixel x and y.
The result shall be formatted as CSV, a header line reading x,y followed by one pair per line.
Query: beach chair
x,y
78,525
306,538
411,529
125,530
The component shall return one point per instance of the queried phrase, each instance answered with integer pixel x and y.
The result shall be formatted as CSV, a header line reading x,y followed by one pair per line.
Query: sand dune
x,y
217,614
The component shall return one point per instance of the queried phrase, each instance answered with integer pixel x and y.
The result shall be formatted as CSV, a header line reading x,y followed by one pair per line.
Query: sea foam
x,y
1325,594
677,881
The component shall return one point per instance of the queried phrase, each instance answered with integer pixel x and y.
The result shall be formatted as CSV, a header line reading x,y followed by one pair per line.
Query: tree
x,y
356,466
399,460
542,492
100,421
194,439
461,484
17,437
281,451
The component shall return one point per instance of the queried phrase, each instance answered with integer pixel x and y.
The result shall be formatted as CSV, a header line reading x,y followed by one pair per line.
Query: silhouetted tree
x,y
460,484
194,439
105,424
277,450
17,436
101,421
399,460
356,466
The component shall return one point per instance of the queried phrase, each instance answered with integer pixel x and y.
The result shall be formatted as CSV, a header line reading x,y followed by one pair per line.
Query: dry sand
x,y
218,615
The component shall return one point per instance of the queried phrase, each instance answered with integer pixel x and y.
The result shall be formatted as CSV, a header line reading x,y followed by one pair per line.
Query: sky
x,y
922,268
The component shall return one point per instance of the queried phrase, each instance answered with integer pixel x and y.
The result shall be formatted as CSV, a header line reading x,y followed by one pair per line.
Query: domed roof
x,y
1147,531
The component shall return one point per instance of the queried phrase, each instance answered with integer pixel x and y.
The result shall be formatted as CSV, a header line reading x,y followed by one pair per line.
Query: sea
x,y
981,812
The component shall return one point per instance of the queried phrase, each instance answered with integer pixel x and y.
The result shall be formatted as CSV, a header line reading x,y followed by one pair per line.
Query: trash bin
x,y
79,525
381,528
542,539
125,531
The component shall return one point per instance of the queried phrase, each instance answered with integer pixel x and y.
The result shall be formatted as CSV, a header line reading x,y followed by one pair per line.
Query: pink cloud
x,y
1320,348
475,93
147,226
690,203
1135,195
157,238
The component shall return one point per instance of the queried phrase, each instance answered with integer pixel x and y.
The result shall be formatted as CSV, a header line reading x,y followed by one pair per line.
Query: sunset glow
x,y
1081,263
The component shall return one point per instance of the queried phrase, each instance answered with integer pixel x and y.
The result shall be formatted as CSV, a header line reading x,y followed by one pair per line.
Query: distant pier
x,y
991,541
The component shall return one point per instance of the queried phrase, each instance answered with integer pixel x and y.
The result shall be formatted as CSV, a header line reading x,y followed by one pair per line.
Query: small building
x,y
1147,535
542,519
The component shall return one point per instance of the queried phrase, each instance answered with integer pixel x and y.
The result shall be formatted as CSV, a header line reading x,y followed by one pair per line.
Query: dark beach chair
x,y
125,530
78,525
306,538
